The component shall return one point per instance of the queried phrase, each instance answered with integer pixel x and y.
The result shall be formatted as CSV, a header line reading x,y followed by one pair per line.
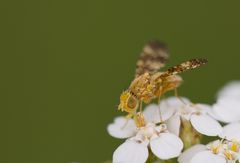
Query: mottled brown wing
x,y
190,64
153,57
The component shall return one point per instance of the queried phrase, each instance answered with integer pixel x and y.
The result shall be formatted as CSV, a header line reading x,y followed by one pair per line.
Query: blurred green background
x,y
63,65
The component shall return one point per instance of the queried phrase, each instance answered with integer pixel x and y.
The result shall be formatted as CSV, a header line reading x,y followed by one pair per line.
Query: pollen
x,y
235,146
216,148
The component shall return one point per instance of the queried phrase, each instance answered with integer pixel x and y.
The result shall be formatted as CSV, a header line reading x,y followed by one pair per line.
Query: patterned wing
x,y
153,57
188,65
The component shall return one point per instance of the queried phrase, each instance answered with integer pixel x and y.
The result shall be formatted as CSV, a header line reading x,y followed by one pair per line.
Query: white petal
x,y
187,155
167,110
213,114
167,106
206,125
207,157
166,146
188,109
204,108
227,109
176,101
122,128
173,124
231,90
231,131
130,152
152,113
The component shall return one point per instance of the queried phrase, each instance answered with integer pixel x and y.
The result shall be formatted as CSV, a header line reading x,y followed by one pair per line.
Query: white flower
x,y
215,152
226,110
152,112
121,128
231,132
224,151
187,155
135,149
230,90
227,106
198,114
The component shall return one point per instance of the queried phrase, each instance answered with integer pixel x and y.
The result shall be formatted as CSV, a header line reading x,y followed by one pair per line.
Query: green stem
x,y
165,161
151,157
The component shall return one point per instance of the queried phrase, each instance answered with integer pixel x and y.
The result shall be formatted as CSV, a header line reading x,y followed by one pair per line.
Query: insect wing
x,y
188,65
153,57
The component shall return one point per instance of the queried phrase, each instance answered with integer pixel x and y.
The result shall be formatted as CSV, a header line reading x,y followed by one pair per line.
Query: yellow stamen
x,y
228,154
215,149
235,146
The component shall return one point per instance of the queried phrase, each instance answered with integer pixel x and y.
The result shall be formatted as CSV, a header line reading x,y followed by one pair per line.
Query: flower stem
x,y
189,135
165,161
151,157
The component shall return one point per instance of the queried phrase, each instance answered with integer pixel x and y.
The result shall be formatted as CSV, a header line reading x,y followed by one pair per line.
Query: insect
x,y
149,82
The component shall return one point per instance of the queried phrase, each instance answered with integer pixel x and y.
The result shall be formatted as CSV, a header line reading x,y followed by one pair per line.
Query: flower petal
x,y
173,124
130,152
167,106
227,109
166,146
213,114
187,155
122,128
207,157
231,131
206,125
230,90
152,113
208,109
175,101
204,108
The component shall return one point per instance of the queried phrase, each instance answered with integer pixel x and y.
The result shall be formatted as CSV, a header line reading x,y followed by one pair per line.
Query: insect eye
x,y
132,102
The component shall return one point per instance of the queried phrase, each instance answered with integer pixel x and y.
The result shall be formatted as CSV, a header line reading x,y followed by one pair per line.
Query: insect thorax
x,y
144,87
148,86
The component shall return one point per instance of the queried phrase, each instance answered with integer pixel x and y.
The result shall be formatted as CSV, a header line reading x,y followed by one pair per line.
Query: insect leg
x,y
140,106
158,101
176,94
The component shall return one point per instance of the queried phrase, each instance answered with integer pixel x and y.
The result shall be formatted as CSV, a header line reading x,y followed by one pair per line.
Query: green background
x,y
63,65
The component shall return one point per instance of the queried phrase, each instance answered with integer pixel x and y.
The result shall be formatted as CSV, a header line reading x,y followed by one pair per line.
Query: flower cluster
x,y
218,151
175,127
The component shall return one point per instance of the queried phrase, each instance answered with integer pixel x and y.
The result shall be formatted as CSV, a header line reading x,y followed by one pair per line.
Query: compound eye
x,y
132,102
